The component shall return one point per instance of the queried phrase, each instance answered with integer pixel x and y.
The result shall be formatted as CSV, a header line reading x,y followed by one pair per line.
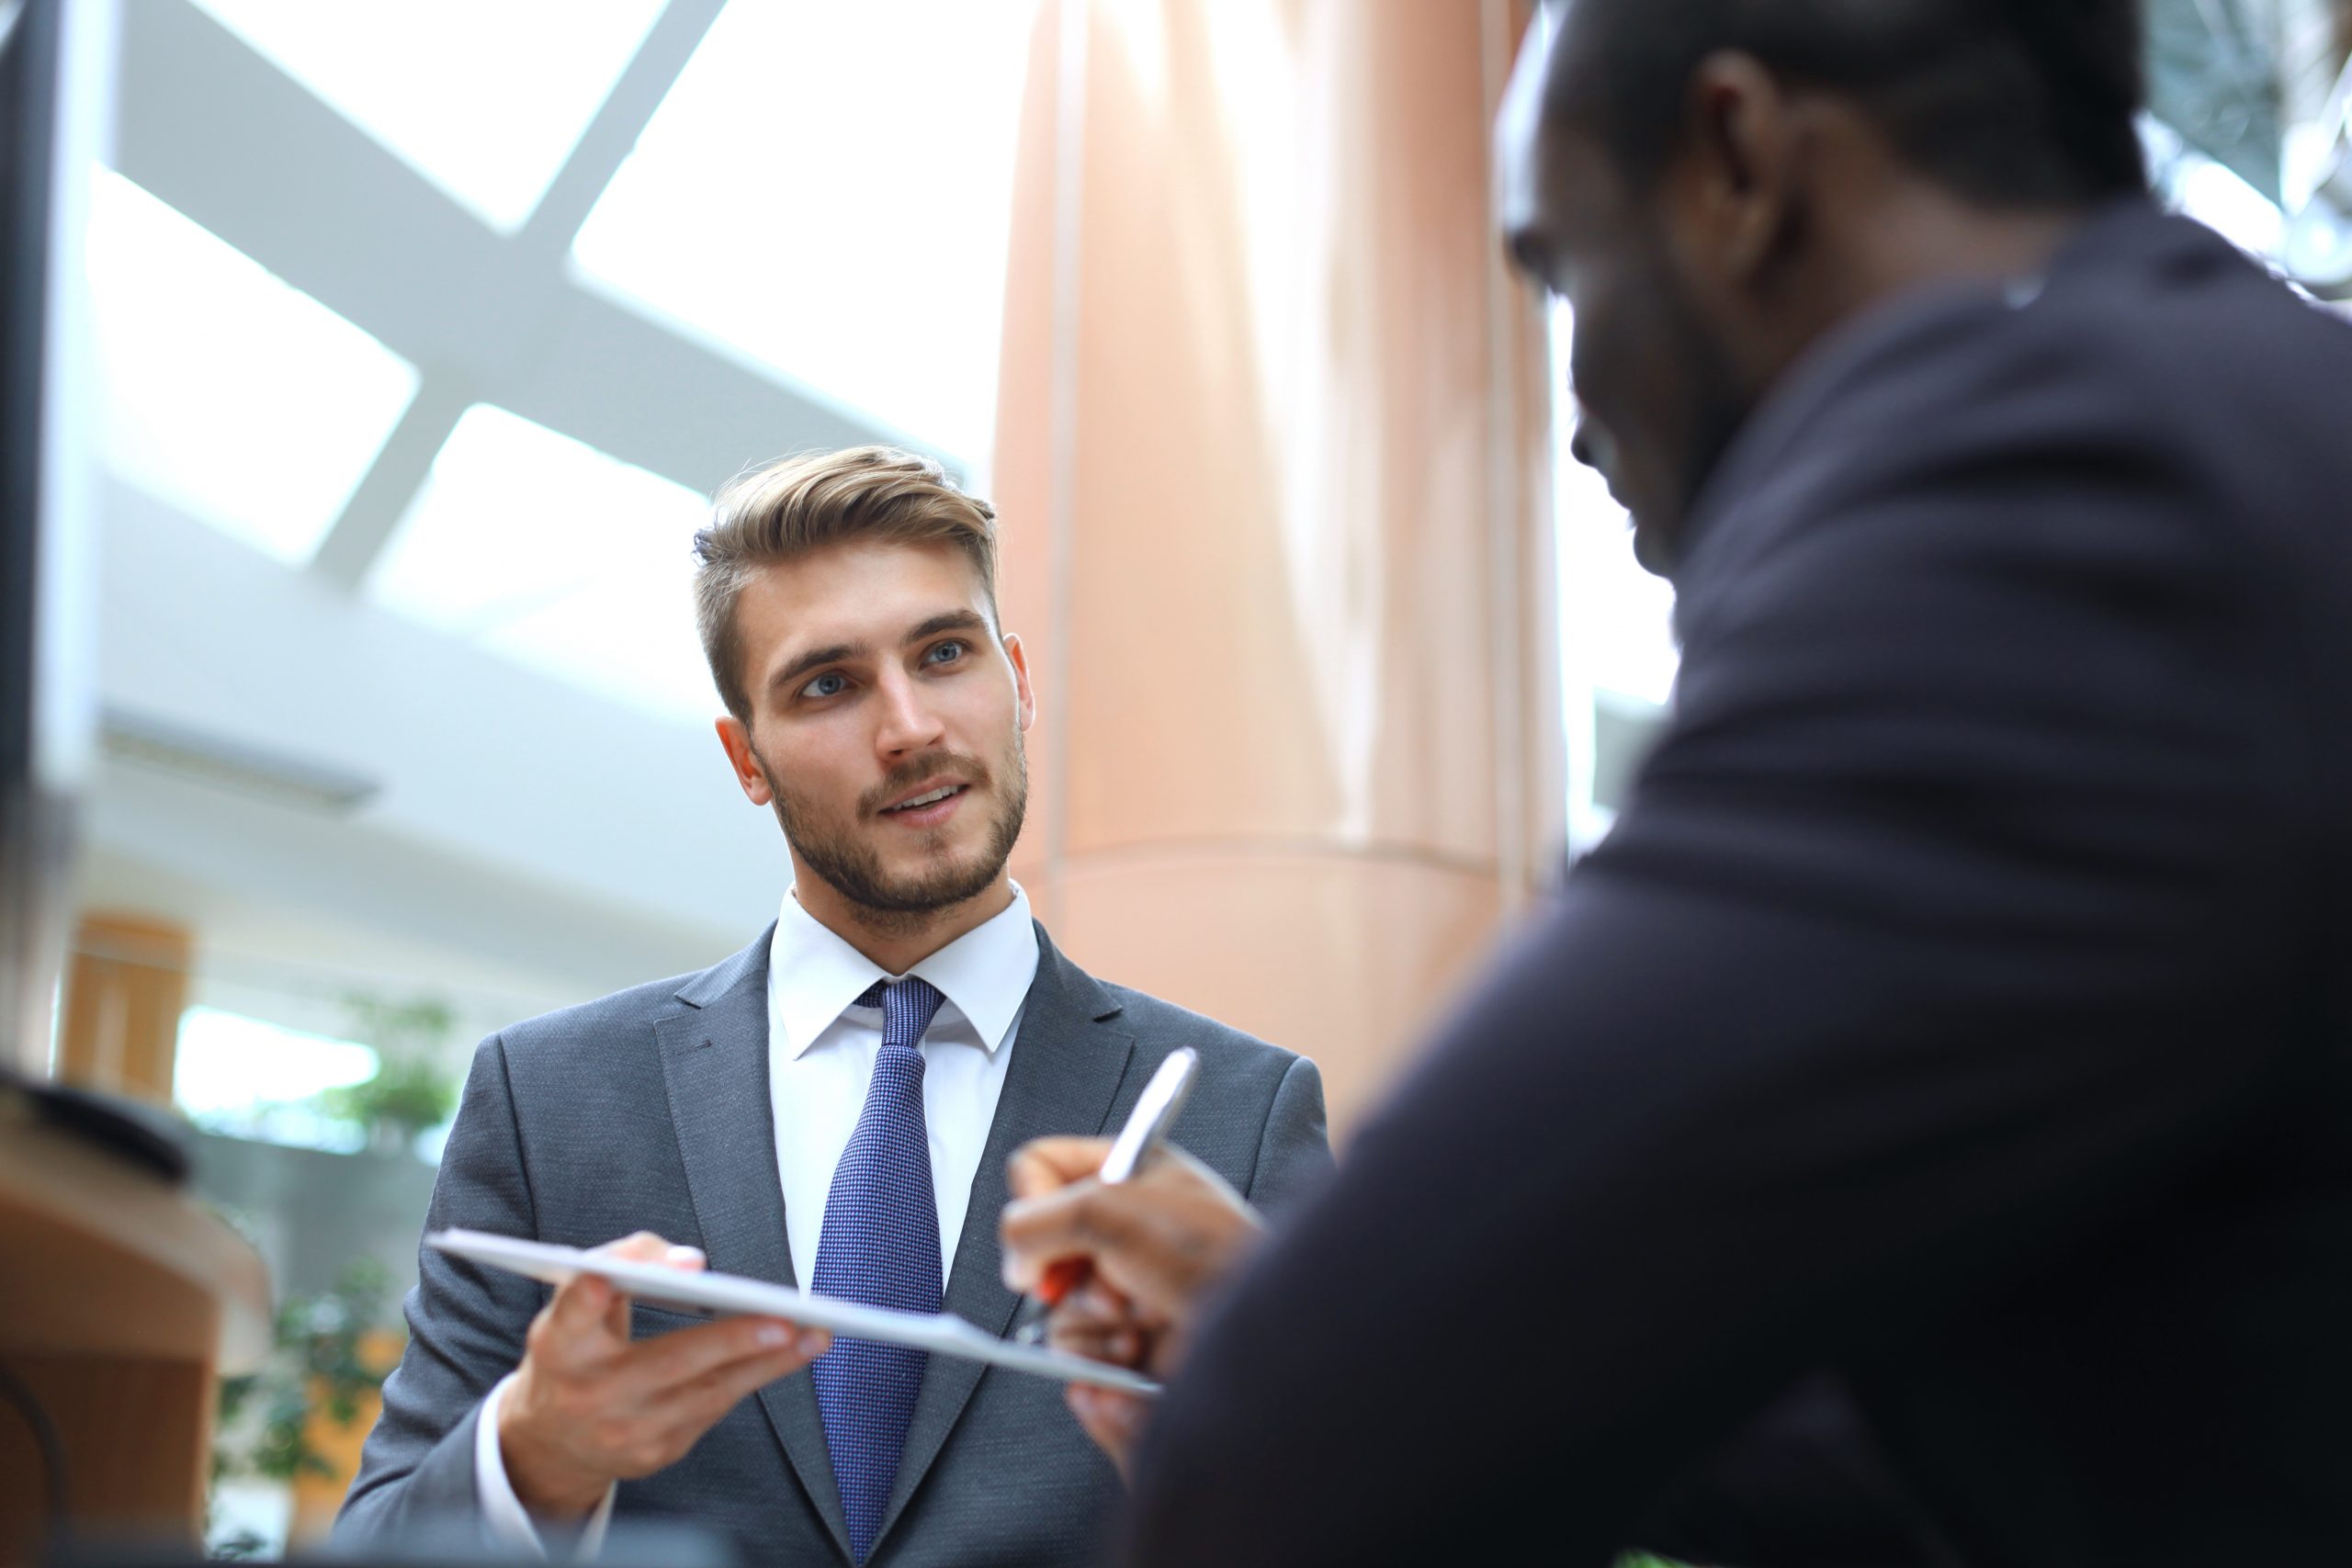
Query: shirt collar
x,y
814,976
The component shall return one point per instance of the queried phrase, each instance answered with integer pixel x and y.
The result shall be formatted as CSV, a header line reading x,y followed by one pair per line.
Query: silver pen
x,y
1147,1125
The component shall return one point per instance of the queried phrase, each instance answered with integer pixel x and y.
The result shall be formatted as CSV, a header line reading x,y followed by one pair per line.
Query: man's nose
x,y
1593,445
909,722
1582,446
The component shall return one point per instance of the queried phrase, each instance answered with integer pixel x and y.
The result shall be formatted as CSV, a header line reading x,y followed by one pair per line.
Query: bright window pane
x,y
1617,654
223,388
252,1078
1618,614
558,556
1616,619
828,189
483,97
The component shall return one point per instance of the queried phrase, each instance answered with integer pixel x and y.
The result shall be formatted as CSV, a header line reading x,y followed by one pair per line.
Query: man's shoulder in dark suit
x,y
1956,1007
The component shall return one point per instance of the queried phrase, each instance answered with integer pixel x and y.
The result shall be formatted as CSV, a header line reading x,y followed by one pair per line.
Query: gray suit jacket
x,y
648,1111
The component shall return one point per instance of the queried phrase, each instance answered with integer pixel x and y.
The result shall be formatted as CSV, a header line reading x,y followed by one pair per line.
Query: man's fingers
x,y
1037,1232
1096,1320
580,1309
587,1318
1096,1298
1041,1164
1122,1344
679,1358
690,1409
1162,1242
698,1404
1139,1245
643,1246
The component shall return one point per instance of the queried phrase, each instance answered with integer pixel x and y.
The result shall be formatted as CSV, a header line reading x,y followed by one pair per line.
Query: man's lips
x,y
930,802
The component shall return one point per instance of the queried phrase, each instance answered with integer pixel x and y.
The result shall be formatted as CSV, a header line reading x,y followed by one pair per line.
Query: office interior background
x,y
423,331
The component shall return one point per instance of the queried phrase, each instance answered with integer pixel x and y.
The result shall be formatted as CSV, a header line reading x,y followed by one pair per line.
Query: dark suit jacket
x,y
648,1111
1961,1004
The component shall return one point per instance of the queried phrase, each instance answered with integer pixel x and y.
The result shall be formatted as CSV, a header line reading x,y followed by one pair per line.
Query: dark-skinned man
x,y
1957,1013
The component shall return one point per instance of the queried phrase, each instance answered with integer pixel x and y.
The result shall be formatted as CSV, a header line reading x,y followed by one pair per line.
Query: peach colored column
x,y
1272,466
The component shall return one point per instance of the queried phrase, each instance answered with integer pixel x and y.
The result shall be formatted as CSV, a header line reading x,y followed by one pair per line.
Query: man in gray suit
x,y
833,1105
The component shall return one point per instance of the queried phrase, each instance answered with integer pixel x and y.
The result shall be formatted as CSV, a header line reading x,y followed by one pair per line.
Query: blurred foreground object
x,y
118,1296
121,1299
53,67
1957,1006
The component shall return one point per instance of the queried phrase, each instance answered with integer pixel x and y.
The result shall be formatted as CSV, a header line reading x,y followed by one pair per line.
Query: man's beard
x,y
850,865
1716,404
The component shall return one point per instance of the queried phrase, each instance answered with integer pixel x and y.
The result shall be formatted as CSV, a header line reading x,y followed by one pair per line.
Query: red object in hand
x,y
1062,1275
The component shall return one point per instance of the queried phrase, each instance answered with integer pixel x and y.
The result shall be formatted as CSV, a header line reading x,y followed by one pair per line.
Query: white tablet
x,y
732,1295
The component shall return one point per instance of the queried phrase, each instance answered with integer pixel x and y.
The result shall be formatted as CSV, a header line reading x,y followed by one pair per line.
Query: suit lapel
x,y
715,1061
1064,1076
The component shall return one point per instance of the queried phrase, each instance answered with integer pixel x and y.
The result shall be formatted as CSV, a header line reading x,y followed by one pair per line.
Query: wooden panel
x,y
96,1255
137,1433
119,1297
126,984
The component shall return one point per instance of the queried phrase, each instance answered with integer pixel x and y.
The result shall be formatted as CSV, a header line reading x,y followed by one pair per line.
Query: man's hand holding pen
x,y
1156,1247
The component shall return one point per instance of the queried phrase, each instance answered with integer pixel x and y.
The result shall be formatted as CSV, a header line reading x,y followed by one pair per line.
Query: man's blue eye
x,y
948,653
830,684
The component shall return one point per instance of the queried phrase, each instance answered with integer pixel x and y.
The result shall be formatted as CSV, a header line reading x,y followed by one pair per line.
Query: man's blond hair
x,y
793,506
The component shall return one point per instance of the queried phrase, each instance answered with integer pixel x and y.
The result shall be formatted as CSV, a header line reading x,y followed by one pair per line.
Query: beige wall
x,y
1272,461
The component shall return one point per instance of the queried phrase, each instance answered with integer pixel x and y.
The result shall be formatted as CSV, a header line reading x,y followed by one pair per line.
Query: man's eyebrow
x,y
813,657
949,621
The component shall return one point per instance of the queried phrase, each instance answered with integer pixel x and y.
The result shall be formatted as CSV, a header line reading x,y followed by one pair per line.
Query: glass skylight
x,y
828,188
1618,614
486,100
223,388
558,556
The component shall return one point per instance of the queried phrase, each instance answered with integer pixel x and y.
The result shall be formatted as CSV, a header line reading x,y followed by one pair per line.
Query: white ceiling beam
x,y
226,137
612,135
381,498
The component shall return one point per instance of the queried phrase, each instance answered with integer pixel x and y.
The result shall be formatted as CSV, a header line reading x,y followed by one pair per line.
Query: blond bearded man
x,y
833,1106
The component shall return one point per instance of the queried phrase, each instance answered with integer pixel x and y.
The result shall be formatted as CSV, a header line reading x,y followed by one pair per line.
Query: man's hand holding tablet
x,y
590,1406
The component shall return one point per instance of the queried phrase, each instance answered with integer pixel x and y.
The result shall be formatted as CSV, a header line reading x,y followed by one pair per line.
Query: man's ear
x,y
735,739
1020,656
1739,180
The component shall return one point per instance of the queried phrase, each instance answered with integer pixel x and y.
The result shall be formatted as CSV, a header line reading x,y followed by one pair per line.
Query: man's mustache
x,y
968,771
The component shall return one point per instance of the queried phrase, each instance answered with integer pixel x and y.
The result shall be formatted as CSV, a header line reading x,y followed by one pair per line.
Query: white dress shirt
x,y
821,1047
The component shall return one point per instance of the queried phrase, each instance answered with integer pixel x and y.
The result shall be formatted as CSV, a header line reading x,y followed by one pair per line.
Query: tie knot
x,y
908,1007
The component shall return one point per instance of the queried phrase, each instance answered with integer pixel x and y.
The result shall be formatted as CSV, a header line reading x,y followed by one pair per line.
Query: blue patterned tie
x,y
880,1245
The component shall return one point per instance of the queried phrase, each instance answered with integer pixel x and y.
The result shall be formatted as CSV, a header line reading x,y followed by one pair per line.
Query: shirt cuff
x,y
503,1514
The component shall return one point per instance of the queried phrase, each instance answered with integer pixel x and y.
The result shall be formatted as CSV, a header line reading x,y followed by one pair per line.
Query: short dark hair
x,y
2009,103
